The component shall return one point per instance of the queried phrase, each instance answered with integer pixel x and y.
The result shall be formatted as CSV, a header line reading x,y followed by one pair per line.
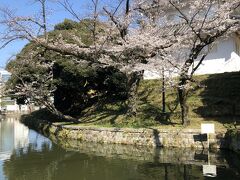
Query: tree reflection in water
x,y
181,171
53,162
36,158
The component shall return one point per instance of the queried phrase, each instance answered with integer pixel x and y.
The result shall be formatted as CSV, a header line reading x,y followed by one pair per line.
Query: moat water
x,y
27,155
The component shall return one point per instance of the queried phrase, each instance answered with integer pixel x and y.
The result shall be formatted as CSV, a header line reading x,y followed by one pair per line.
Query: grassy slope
x,y
218,101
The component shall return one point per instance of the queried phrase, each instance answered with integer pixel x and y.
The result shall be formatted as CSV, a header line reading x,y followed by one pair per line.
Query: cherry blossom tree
x,y
177,32
181,33
205,23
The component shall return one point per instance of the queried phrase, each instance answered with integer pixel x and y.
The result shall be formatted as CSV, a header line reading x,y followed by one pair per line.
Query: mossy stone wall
x,y
184,138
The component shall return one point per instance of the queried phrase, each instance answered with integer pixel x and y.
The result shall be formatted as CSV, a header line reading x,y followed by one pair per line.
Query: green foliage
x,y
71,78
77,85
67,24
80,86
83,29
26,70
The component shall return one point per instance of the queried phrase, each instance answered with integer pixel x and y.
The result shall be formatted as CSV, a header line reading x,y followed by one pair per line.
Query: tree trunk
x,y
59,114
133,83
65,117
184,107
182,93
163,93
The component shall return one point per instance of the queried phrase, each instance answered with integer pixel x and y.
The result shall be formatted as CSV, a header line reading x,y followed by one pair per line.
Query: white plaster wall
x,y
15,108
223,49
148,74
12,108
221,65
222,58
24,108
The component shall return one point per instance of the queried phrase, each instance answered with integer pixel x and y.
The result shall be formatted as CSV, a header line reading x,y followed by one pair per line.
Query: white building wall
x,y
220,65
223,57
148,74
12,107
223,49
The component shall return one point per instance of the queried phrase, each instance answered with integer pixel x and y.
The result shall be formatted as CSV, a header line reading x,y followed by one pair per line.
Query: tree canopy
x,y
167,36
63,82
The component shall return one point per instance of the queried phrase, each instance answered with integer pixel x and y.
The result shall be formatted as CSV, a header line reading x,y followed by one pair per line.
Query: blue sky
x,y
27,7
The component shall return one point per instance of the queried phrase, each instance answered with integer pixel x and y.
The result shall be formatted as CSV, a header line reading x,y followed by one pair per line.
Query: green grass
x,y
216,101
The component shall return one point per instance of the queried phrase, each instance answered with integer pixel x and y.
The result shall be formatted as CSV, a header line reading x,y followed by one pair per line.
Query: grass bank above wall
x,y
217,100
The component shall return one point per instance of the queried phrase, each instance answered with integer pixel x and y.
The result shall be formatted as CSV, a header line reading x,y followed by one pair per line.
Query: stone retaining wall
x,y
184,138
144,137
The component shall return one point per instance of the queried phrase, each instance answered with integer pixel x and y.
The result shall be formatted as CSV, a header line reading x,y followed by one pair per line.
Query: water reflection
x,y
36,157
12,135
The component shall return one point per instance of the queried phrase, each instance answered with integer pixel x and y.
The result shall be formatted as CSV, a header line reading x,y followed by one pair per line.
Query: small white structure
x,y
207,128
6,103
4,75
210,170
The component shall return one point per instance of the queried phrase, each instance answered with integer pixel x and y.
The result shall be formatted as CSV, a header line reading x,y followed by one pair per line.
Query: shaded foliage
x,y
71,83
79,87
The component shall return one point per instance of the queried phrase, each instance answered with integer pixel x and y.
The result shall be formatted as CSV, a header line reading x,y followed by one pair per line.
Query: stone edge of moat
x,y
179,138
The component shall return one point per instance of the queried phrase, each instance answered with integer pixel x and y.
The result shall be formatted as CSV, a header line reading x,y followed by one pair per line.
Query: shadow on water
x,y
220,97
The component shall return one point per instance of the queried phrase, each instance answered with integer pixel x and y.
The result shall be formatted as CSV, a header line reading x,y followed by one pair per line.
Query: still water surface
x,y
27,155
